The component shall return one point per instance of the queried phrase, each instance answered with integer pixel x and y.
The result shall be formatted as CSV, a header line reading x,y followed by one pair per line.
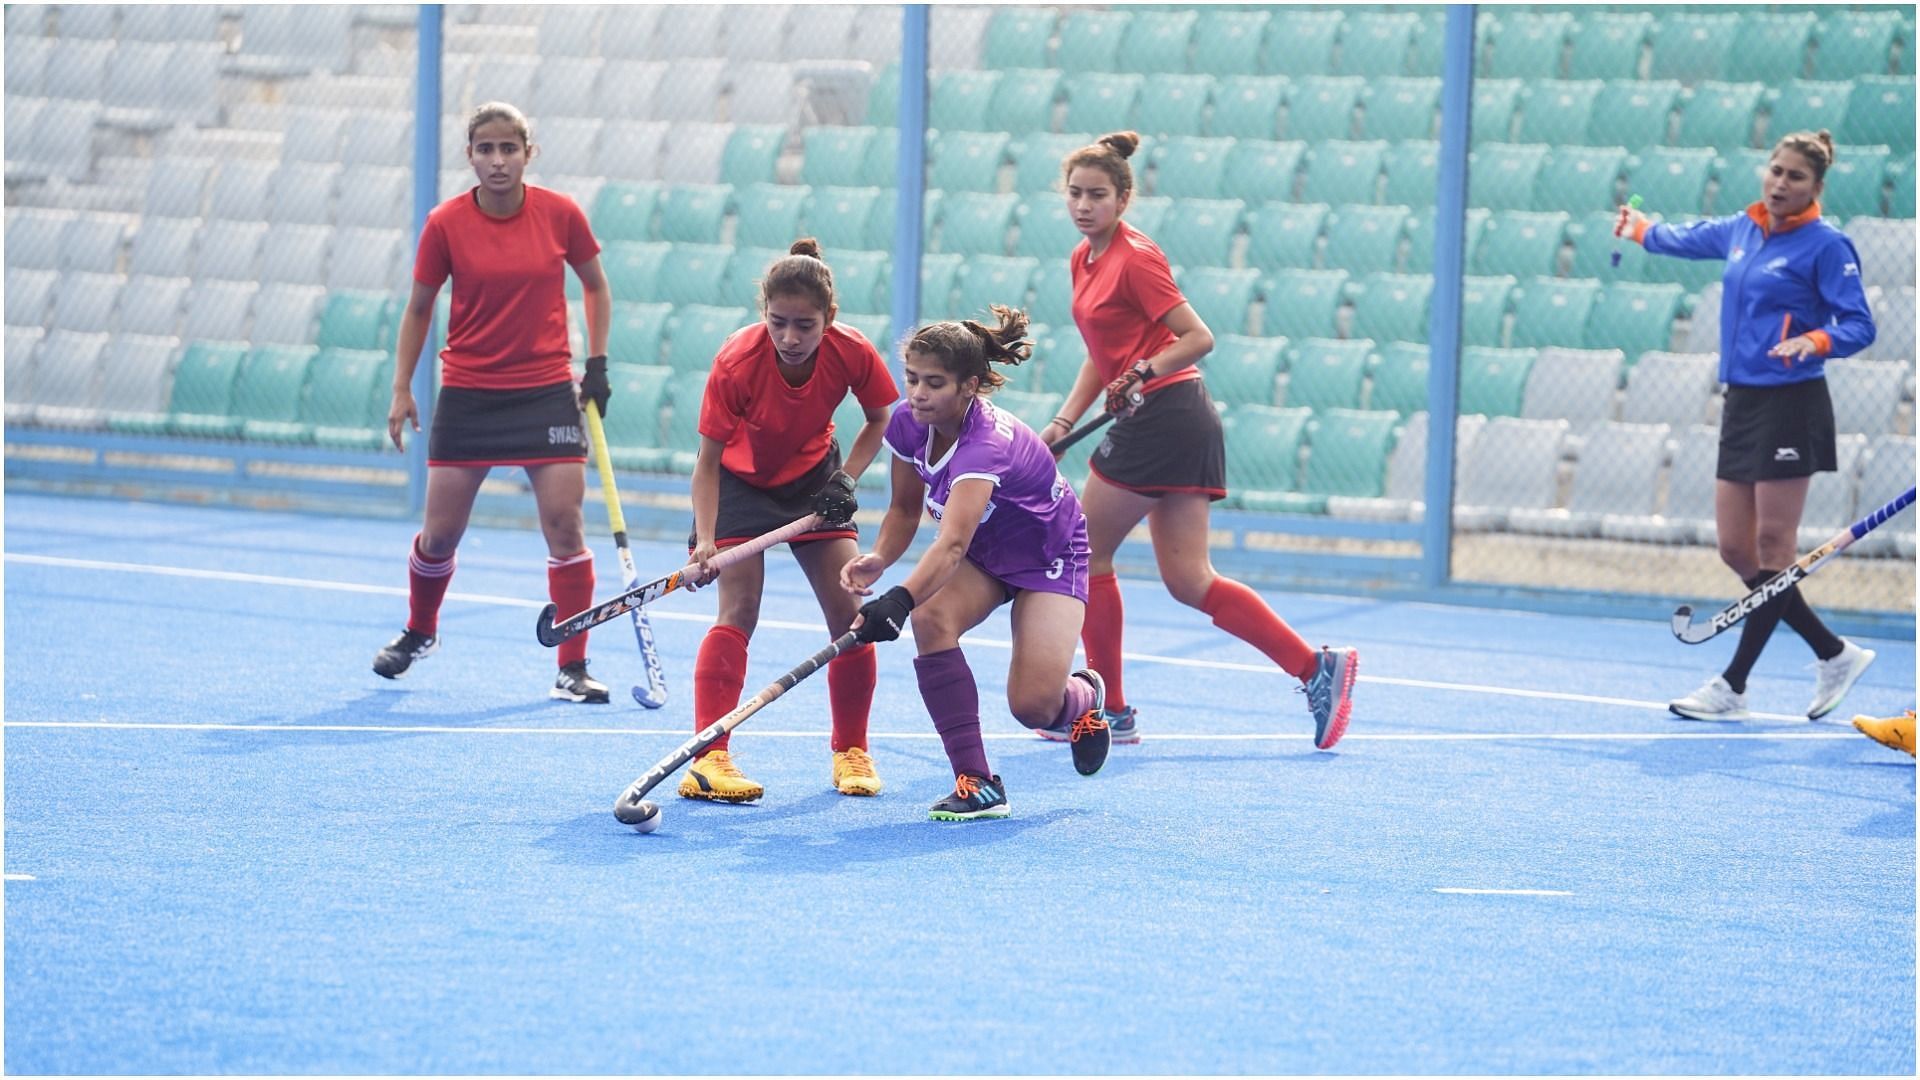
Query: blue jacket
x,y
1803,279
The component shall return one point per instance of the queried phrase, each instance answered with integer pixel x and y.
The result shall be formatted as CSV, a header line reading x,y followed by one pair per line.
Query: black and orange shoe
x,y
1090,736
973,798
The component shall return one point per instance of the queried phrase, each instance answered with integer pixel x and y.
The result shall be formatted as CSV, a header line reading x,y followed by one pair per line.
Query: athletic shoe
x,y
1714,701
574,684
1089,735
1329,693
400,653
853,772
1124,724
973,797
1895,732
1836,677
716,777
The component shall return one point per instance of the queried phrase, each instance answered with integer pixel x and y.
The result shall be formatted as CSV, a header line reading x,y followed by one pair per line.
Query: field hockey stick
x,y
632,807
552,631
654,694
1081,432
1694,633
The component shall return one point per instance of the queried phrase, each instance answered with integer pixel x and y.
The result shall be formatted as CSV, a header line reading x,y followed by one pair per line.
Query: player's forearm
x,y
865,446
896,534
598,304
412,339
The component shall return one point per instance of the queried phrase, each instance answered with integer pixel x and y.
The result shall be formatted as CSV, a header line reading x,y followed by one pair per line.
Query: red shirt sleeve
x,y
876,388
1150,282
432,264
581,246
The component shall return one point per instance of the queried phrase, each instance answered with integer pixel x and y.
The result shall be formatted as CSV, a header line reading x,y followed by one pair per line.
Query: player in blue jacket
x,y
1791,298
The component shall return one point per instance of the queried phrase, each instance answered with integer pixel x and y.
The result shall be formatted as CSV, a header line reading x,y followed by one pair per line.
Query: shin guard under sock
x,y
719,671
427,583
1102,633
850,679
1239,611
947,686
570,585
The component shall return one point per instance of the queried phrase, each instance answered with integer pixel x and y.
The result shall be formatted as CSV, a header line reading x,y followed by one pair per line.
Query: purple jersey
x,y
1033,534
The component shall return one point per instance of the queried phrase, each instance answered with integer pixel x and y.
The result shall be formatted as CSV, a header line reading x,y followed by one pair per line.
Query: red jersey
x,y
774,432
507,327
1119,300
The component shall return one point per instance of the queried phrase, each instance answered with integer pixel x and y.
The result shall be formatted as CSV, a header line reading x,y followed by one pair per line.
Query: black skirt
x,y
535,426
1172,443
747,511
1776,432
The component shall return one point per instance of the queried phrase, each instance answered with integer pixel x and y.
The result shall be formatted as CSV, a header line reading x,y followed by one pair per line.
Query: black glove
x,y
594,386
835,502
883,617
1124,394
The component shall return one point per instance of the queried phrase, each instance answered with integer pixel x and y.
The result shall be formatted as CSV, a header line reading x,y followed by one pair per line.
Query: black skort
x,y
1776,432
747,511
539,425
1172,443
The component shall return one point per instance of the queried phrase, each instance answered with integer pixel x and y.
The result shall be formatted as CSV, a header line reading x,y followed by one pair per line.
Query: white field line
x,y
19,877
1505,892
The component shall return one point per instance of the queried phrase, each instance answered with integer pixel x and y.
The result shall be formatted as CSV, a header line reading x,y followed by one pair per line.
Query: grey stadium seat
x,y
378,138
567,146
1670,388
93,242
170,22
570,30
1830,496
1893,318
163,246
1688,506
1576,385
23,352
295,254
77,69
27,63
369,259
1406,483
374,197
826,32
1886,249
313,133
302,194
33,238
1703,325
635,149
755,33
240,191
690,30
66,378
151,305
763,93
690,90
30,296
1618,475
58,142
693,153
84,303
228,250
177,187
570,89
1514,464
1866,395
287,314
218,310
1888,472
628,88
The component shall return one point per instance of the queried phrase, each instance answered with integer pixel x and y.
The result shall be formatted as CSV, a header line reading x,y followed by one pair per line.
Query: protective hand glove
x,y
835,502
594,386
1124,394
883,617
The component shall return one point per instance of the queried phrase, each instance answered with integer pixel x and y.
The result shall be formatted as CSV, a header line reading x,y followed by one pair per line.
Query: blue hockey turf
x,y
229,847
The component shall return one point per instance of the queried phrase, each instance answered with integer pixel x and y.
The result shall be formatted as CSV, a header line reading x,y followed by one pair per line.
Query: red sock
x,y
1239,611
850,679
570,586
427,583
1101,635
719,671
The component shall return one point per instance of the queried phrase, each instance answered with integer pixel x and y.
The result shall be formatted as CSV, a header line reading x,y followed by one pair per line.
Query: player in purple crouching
x,y
1010,529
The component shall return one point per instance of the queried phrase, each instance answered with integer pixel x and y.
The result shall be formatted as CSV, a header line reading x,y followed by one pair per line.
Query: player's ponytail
x,y
968,349
803,273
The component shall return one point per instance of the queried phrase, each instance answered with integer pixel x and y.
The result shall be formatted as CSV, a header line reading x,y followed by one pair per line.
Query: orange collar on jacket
x,y
1758,212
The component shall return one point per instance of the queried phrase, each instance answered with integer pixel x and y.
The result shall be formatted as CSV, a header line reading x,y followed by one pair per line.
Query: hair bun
x,y
1123,143
806,245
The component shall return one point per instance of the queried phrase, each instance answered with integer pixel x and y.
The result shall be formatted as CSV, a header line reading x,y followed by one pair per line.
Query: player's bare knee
x,y
1189,589
1034,710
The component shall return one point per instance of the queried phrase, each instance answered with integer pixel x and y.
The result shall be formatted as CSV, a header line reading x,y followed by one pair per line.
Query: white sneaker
x,y
1714,701
1836,677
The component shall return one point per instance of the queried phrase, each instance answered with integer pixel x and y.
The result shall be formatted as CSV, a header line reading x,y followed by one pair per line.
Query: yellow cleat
x,y
853,772
716,777
1895,732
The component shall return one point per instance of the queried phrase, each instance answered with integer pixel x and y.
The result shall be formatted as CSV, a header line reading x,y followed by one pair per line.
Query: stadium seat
x,y
1301,303
67,377
1900,201
1101,101
1879,113
1492,381
1575,385
1061,352
1618,475
1692,47
1348,455
1339,171
1633,112
697,275
1321,107
1259,171
1635,317
1375,44
961,100
1365,239
1047,230
151,305
882,219
22,357
1037,160
694,213
1301,42
973,223
176,187
1512,464
968,161
1323,373
939,279
1886,249
1558,110
1284,234
752,154
633,149
1484,302
142,368
1670,388
1580,179
1248,106
566,90
302,194
218,310
85,302
1190,167
201,399
1393,307
994,279
1522,243
862,281
295,254
633,430
623,210
633,268
1687,510
1243,370
1401,108
1606,45
1888,472
1148,213
1200,232
1155,41
1719,114
838,216
1501,176
877,329
1856,42
1400,378
1263,453
1805,106
345,406
745,268
685,391
637,332
1496,102
1528,44
1230,41
1830,495
769,215
1221,297
1893,315
834,155
696,331
1550,311
1856,179
356,320
1420,237
1090,40
268,394
1673,180
1866,395
1024,99
240,191
1770,48
570,31
287,314
92,242
1413,173
1594,248
883,90
34,238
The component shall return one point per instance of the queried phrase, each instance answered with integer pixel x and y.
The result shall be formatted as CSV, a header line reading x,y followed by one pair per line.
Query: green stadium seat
x,y
1672,179
1263,455
633,268
1420,237
1200,232
1243,370
1855,179
968,160
1580,178
1719,114
1375,44
835,156
1557,111
973,223
696,331
745,267
1173,105
769,214
1594,246
1553,311
939,278
1413,173
1302,303
1634,317
1633,113
1855,43
1037,159
1023,101
1501,176
1034,408
752,154
1528,44
634,429
1017,37
355,319
862,281
1323,373
1606,45
1522,243
1364,239
1693,47
1061,351
1052,294
1341,171
697,274
883,94
347,396
837,216
1495,104
1426,57
1484,302
638,332
1248,106
1879,113
881,166
1090,40
1400,378
1348,452
685,391
994,279
1393,307
848,418
1281,234
1805,105
877,329
1301,42
1321,107
1493,381
1900,202
1229,41
268,395
1148,213
1690,274
1047,230
1101,100
1259,170
881,221
1771,49
623,210
1155,42
962,100
1401,108
1190,167
1220,296
1741,171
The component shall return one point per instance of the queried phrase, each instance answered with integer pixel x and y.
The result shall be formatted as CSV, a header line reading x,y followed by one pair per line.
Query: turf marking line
x,y
1505,892
19,877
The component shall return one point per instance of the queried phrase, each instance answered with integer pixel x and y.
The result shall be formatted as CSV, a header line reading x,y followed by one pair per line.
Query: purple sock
x,y
1077,699
947,686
